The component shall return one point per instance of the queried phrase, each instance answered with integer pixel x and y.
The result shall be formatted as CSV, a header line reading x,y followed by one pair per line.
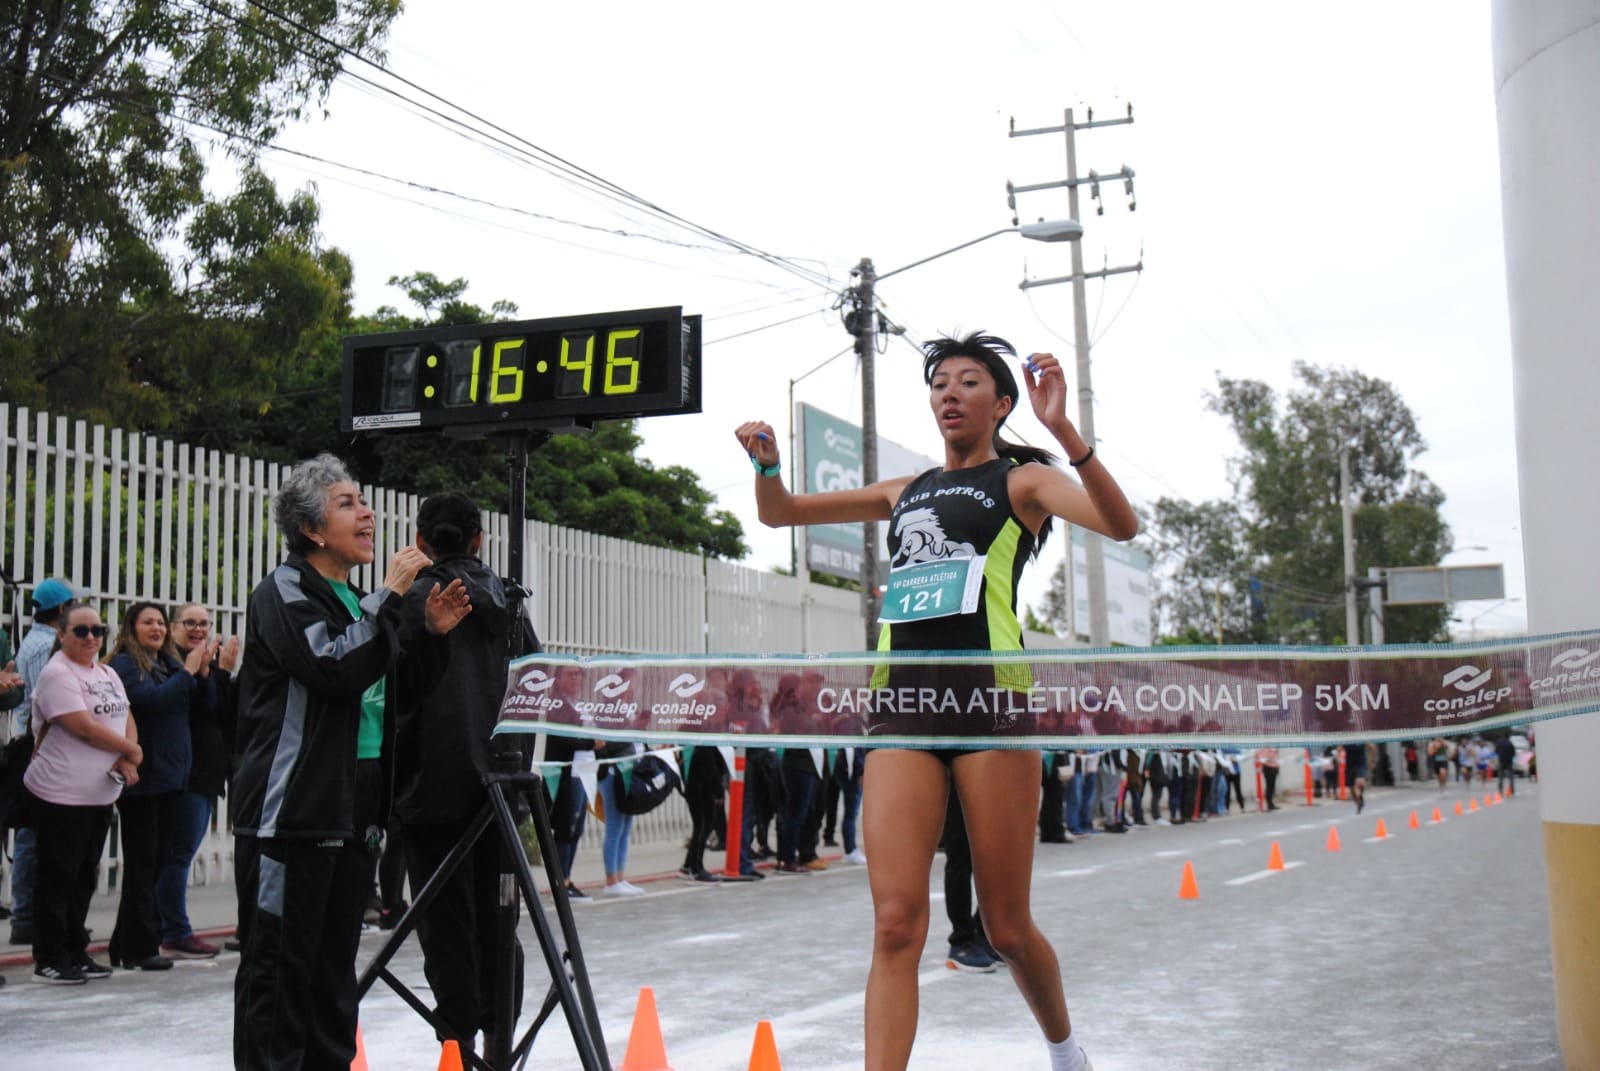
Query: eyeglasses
x,y
83,632
188,623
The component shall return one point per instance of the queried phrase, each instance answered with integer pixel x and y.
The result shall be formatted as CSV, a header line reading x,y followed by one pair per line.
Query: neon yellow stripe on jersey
x,y
1005,631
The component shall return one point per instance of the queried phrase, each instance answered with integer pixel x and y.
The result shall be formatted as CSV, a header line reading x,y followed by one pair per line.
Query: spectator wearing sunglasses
x,y
211,716
86,747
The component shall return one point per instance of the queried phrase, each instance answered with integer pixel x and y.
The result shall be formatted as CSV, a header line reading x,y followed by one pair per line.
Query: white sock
x,y
1067,1054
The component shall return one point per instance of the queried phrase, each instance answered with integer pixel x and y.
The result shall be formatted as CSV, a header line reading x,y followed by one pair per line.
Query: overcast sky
x,y
1314,183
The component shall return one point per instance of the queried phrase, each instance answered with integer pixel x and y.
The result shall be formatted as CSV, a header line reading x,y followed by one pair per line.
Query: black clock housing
x,y
566,371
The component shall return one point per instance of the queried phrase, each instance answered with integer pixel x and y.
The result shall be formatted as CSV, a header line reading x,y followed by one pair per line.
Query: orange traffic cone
x,y
360,1062
1333,839
1472,805
1458,808
1383,831
1275,858
1437,817
1412,821
450,1056
1188,889
764,1054
646,1050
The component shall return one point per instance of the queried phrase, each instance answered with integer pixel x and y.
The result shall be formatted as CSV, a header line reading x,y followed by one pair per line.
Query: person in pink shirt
x,y
86,748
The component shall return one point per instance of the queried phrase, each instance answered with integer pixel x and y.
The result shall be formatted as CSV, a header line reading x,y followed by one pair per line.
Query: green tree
x,y
1284,572
1202,572
106,109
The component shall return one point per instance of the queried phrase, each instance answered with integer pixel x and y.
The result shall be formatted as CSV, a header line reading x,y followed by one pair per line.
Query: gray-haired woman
x,y
315,744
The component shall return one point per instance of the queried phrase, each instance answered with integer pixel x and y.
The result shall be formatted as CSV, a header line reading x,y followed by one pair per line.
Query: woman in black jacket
x,y
160,689
315,750
445,744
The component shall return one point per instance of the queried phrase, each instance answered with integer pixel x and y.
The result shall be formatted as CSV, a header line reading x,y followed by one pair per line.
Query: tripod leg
x,y
424,897
577,1000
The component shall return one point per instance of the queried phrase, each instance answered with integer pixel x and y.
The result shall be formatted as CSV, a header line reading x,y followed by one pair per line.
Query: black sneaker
x,y
971,957
90,969
156,962
575,893
55,974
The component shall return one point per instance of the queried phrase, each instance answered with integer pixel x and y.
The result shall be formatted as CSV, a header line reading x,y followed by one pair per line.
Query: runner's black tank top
x,y
965,513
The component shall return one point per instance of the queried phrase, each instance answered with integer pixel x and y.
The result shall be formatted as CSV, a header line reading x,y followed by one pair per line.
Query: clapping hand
x,y
198,660
404,566
228,660
447,608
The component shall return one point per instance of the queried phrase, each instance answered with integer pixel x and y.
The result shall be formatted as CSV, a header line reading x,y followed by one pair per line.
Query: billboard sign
x,y
1127,590
830,460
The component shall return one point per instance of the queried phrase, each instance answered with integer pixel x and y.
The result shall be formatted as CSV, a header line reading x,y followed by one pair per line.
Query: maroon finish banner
x,y
1141,697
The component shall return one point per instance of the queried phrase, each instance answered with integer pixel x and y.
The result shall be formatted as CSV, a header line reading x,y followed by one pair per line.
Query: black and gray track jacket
x,y
305,667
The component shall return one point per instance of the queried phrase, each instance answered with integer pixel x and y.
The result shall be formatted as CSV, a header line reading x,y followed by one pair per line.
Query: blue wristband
x,y
765,470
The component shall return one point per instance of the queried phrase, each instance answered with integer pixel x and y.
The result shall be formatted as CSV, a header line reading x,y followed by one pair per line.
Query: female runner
x,y
988,508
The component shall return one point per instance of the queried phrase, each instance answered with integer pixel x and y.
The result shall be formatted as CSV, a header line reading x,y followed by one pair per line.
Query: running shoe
x,y
575,893
91,969
623,888
971,957
856,858
57,974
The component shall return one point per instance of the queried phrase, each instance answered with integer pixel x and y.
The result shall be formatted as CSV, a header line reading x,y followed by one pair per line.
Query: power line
x,y
546,158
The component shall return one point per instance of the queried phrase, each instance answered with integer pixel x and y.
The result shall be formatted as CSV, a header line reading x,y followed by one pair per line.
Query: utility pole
x,y
1352,616
864,326
1094,549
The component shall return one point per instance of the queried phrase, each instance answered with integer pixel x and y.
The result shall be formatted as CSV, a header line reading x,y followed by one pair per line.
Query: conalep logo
x,y
1467,678
686,686
612,685
535,681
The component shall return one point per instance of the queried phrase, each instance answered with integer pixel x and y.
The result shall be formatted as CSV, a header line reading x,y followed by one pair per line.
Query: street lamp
x,y
861,321
1472,625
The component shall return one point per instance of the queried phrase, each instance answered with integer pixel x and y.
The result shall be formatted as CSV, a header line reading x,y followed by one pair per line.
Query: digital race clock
x,y
552,373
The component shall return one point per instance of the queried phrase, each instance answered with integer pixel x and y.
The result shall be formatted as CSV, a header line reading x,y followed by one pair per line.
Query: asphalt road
x,y
1429,949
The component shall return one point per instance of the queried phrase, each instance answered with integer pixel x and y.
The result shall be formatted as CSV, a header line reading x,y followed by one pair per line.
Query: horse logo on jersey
x,y
922,539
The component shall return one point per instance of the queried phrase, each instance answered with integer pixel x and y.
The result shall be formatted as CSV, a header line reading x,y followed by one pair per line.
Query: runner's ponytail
x,y
1018,454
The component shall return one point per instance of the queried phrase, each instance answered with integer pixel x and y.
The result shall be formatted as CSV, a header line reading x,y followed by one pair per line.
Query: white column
x,y
1547,80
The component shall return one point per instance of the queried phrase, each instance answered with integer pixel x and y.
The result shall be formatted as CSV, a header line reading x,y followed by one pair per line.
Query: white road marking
x,y
1258,875
1230,840
708,938
1080,872
1167,855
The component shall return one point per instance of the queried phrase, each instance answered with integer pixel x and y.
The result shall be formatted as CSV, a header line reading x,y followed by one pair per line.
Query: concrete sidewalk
x,y
213,909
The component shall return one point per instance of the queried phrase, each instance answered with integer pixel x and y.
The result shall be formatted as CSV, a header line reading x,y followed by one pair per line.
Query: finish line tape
x,y
1122,697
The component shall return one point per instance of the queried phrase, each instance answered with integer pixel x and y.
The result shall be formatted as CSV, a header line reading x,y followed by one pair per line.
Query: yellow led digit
x,y
624,364
503,370
572,366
